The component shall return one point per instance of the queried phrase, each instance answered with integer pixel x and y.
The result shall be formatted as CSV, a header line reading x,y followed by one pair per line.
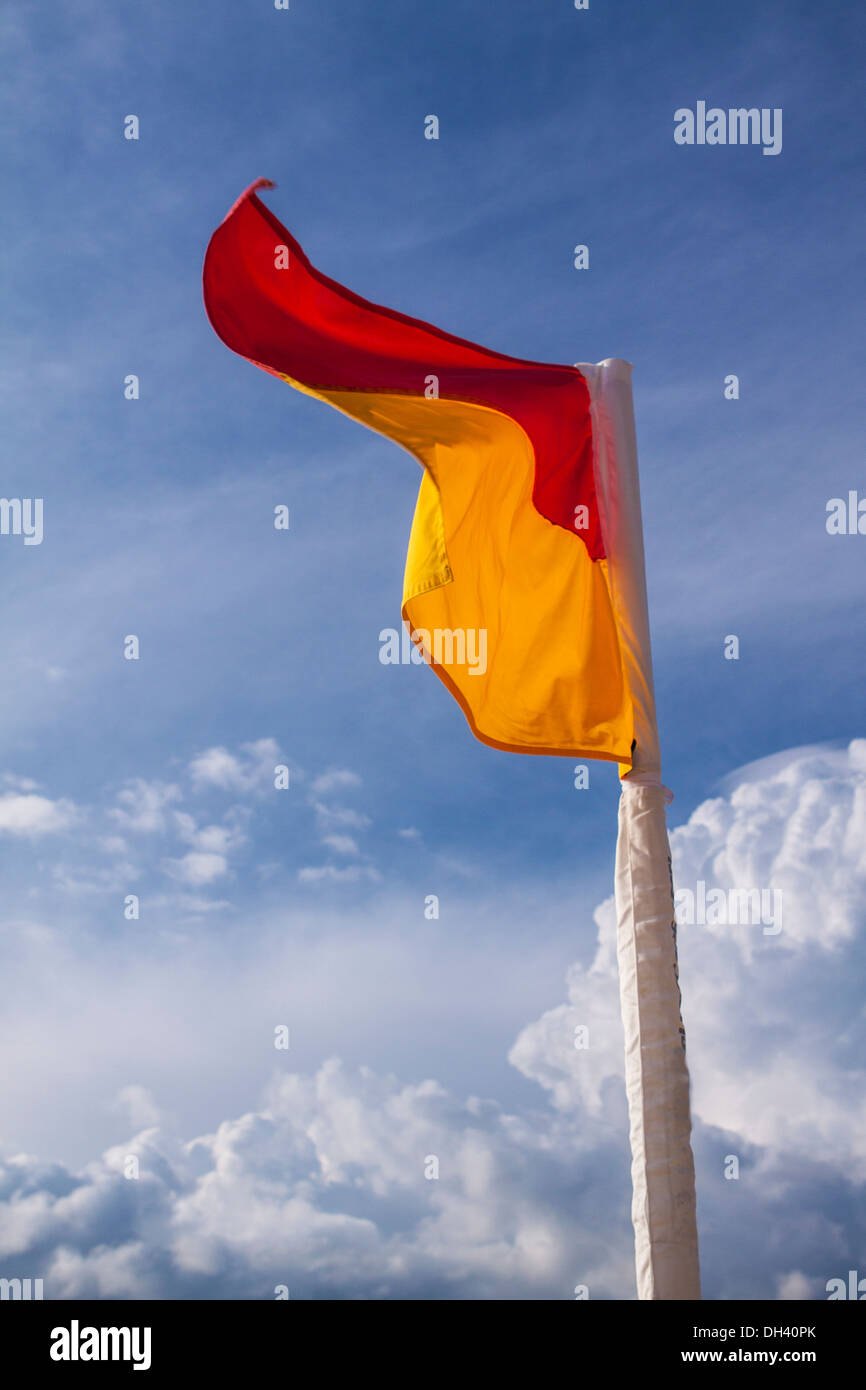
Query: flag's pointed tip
x,y
248,193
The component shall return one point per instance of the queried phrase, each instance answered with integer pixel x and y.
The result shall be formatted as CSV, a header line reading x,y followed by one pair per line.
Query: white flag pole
x,y
656,1075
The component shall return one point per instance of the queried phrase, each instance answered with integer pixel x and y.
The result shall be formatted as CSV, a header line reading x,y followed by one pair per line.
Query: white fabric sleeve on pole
x,y
656,1075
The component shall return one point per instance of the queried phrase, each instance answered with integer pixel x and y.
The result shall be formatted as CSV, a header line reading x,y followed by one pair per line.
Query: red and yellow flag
x,y
507,536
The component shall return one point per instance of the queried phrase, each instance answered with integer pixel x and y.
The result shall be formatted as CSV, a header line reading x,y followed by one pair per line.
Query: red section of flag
x,y
296,322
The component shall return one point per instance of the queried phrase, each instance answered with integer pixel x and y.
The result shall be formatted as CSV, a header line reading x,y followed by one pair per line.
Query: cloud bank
x,y
346,1183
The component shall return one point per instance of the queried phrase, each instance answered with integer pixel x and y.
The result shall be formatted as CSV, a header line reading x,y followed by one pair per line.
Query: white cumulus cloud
x,y
31,815
344,1182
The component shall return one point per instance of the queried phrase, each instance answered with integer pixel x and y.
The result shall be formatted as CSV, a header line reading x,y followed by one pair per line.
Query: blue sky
x,y
556,128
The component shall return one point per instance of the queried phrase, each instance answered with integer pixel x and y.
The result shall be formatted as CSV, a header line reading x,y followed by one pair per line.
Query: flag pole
x,y
656,1074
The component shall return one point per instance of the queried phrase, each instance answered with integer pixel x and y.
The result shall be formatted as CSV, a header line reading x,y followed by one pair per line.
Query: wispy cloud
x,y
251,769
